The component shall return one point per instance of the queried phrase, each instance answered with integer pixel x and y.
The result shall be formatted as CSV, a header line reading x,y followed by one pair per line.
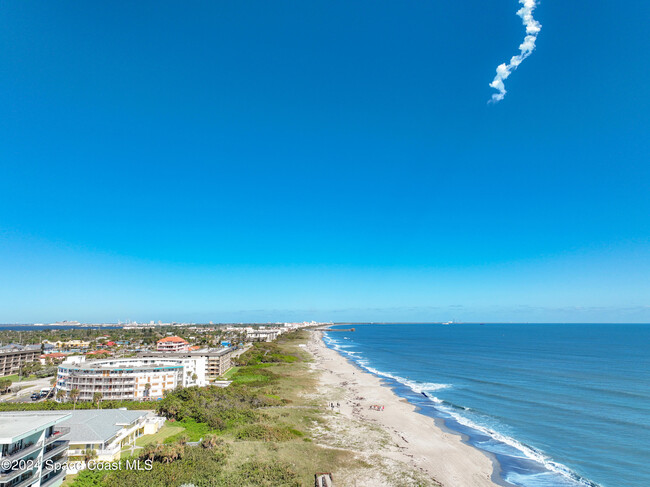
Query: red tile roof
x,y
54,355
172,339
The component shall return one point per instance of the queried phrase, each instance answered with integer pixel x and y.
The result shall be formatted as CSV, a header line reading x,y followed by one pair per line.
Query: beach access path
x,y
415,439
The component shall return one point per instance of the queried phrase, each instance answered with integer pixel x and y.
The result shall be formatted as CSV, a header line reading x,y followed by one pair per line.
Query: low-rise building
x,y
52,358
70,344
262,335
34,436
107,432
172,344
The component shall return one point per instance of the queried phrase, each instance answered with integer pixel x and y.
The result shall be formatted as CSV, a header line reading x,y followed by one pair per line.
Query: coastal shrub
x,y
265,353
89,478
265,474
202,468
262,432
253,377
213,408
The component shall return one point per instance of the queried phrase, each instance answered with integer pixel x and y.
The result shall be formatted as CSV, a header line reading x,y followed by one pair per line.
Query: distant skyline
x,y
335,161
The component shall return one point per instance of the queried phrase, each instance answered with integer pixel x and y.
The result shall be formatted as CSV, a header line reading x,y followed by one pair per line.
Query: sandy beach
x,y
397,435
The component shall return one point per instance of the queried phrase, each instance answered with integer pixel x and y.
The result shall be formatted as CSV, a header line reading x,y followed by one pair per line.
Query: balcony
x,y
16,455
17,472
57,435
52,478
80,452
28,480
54,451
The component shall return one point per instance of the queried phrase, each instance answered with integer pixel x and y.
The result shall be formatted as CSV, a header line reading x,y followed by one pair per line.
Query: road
x,y
26,389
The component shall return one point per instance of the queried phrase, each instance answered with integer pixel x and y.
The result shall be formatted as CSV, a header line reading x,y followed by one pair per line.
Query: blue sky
x,y
332,160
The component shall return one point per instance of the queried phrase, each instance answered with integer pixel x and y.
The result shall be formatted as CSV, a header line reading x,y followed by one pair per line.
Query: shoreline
x,y
420,441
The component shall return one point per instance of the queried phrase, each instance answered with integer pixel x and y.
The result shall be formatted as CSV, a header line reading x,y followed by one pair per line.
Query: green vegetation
x,y
265,432
5,384
200,466
229,373
190,429
266,353
17,378
170,429
53,405
248,434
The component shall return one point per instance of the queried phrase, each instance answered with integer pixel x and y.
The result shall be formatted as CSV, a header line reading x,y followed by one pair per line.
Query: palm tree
x,y
97,397
147,389
150,451
5,384
89,454
74,395
60,395
210,441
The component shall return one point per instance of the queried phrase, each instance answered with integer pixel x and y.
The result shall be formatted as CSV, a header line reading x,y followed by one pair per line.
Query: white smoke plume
x,y
525,49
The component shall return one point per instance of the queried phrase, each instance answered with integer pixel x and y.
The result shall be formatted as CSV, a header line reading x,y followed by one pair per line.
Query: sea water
x,y
554,404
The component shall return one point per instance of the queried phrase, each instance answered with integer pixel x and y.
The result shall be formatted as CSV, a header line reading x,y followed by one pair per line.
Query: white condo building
x,y
144,378
34,445
141,378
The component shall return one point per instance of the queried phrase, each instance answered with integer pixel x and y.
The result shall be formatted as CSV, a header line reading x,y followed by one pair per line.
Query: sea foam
x,y
520,450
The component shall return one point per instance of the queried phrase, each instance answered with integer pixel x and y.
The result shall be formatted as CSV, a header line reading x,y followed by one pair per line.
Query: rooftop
x,y
172,340
99,425
86,425
203,352
123,364
20,425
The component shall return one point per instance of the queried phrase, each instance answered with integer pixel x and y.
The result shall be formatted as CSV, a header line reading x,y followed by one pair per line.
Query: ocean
x,y
557,405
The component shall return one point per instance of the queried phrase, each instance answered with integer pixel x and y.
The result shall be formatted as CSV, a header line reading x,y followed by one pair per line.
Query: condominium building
x,y
265,335
172,344
216,360
219,361
145,377
12,358
260,334
106,432
38,440
129,378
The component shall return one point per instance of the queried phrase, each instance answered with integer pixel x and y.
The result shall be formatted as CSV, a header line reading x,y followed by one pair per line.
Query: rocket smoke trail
x,y
525,49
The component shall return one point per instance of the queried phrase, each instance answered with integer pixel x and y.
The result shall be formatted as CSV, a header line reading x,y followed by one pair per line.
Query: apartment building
x,y
219,361
130,378
172,344
13,357
39,440
215,361
262,335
